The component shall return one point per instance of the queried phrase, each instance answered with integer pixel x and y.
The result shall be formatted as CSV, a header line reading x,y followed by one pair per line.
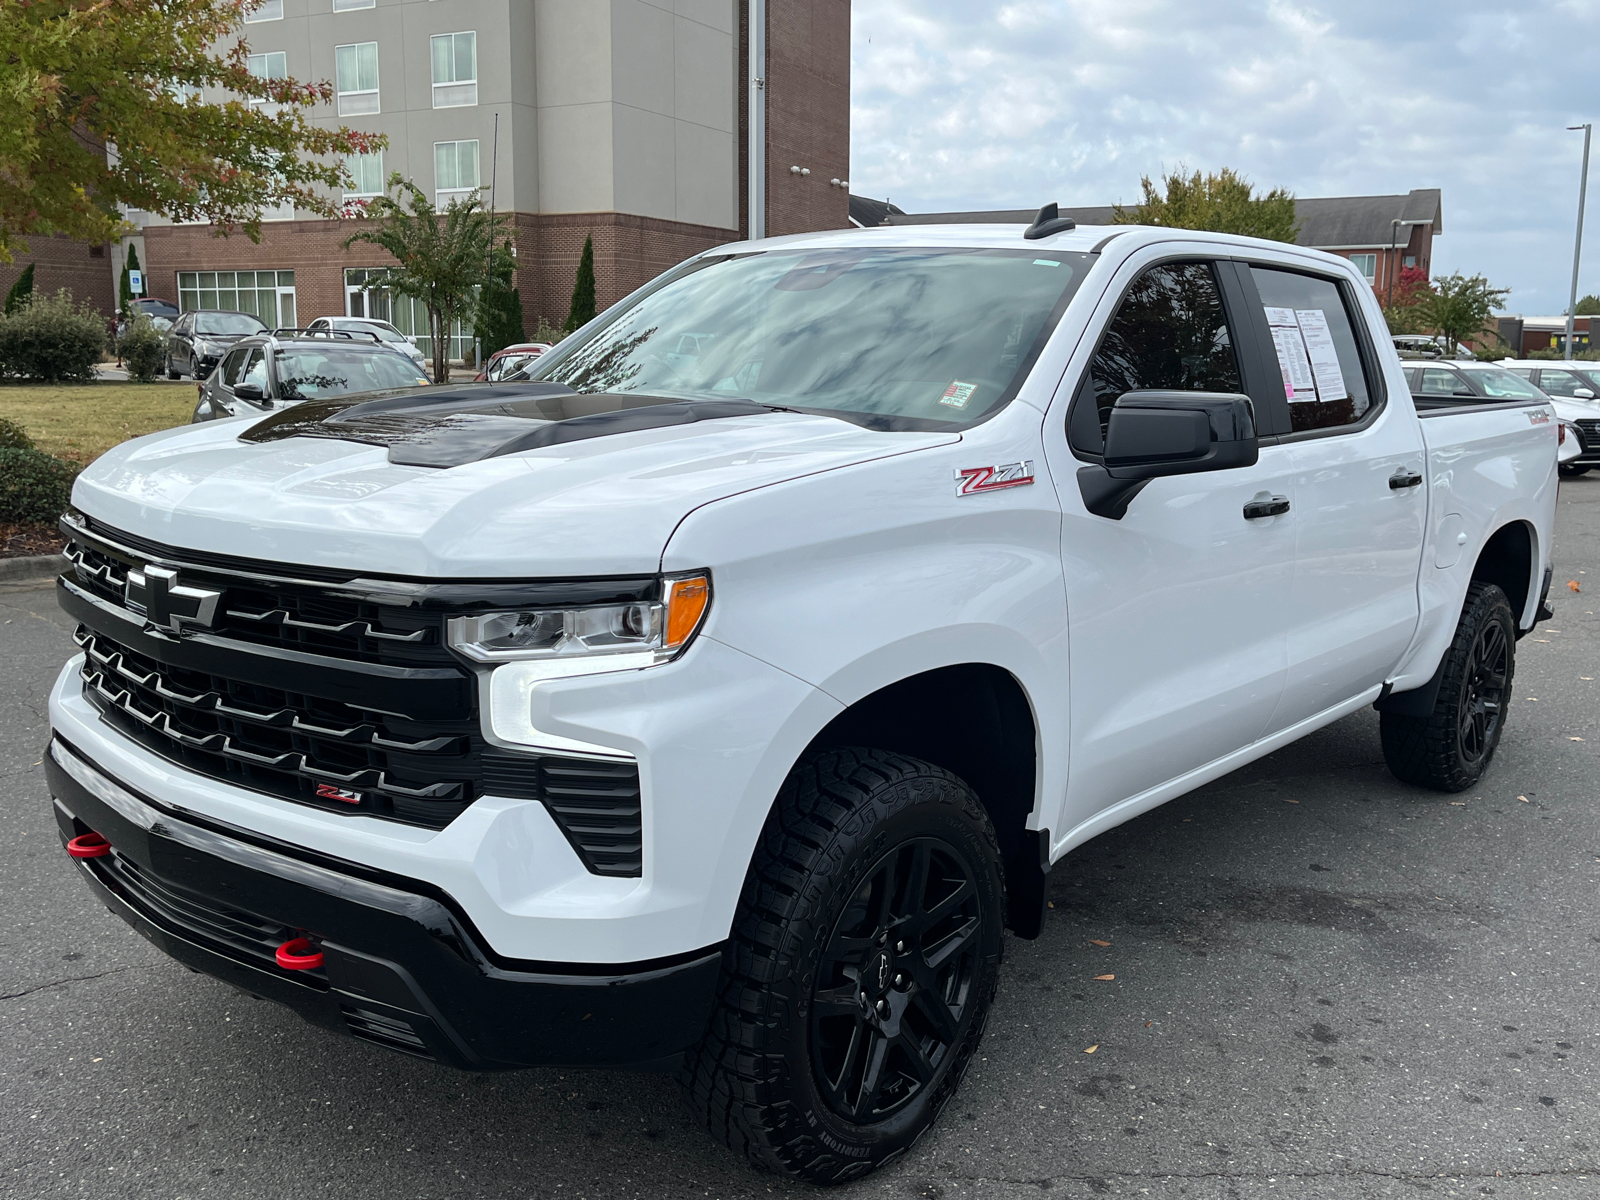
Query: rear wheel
x,y
862,962
1450,748
171,373
1572,470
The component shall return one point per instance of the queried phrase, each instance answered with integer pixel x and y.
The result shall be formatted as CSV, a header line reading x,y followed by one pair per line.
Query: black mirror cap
x,y
249,392
1159,433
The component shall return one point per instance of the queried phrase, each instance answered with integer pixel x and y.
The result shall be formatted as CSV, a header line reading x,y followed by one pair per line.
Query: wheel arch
x,y
976,720
1510,560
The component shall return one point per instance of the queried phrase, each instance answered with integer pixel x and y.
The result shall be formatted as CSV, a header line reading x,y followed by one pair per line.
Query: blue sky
x,y
960,104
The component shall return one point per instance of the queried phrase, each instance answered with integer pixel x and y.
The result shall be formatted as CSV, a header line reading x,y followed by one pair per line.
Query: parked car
x,y
723,712
509,361
278,369
1428,345
387,334
1574,389
198,340
162,313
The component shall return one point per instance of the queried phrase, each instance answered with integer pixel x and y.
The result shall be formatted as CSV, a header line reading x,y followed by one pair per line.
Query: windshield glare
x,y
895,338
307,374
227,324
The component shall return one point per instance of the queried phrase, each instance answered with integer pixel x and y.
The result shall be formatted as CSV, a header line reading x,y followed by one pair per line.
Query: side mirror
x,y
411,338
1154,434
1583,393
250,392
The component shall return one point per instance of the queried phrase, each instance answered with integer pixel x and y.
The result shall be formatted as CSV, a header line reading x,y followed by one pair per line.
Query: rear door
x,y
1360,496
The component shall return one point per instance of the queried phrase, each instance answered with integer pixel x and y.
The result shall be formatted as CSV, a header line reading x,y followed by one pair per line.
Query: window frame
x,y
1240,333
374,91
357,193
436,84
1370,256
454,192
252,18
1366,351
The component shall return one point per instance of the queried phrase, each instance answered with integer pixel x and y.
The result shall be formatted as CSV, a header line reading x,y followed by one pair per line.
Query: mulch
x,y
21,541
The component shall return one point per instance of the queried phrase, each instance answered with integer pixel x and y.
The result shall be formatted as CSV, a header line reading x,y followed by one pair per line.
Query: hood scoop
x,y
447,427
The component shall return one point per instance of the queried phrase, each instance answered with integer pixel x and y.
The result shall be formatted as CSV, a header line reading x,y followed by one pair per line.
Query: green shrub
x,y
13,436
52,339
144,348
34,486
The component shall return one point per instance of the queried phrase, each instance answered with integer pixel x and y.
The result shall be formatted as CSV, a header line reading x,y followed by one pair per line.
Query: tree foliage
x,y
124,283
1460,307
442,256
1406,313
498,322
21,291
583,300
144,348
1588,306
54,339
81,75
1223,202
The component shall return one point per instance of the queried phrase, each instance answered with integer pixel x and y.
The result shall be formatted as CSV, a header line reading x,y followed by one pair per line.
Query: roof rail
x,y
1047,222
347,334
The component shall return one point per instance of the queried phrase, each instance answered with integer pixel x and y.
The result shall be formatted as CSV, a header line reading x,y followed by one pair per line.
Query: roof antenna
x,y
1049,221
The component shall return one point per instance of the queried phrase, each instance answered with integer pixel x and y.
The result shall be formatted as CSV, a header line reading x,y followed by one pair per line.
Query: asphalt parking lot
x,y
1326,985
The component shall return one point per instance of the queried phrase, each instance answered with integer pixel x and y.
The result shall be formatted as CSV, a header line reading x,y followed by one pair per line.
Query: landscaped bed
x,y
78,423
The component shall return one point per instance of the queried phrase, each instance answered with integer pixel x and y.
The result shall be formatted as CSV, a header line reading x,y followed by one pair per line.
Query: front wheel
x,y
1450,748
862,962
1571,470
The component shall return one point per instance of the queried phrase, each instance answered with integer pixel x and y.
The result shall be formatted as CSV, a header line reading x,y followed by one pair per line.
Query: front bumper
x,y
403,967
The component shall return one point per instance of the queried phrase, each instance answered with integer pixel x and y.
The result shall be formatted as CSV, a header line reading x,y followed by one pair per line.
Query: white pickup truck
x,y
724,707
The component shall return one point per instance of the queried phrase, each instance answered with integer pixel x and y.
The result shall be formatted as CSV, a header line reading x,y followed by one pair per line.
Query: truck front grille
x,y
596,804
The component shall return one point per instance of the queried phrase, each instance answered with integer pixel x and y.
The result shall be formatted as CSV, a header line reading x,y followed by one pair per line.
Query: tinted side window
x,y
255,370
1561,383
1170,334
1323,375
1436,381
230,367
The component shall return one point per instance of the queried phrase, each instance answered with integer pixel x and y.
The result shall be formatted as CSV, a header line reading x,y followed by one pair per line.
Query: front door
x,y
1177,611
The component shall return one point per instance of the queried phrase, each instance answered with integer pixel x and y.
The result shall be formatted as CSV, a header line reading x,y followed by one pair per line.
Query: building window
x,y
1409,261
268,66
455,69
267,10
1367,264
455,171
366,174
357,70
268,295
347,5
407,315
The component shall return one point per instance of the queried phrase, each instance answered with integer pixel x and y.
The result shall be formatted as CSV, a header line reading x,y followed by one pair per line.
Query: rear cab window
x,y
1319,358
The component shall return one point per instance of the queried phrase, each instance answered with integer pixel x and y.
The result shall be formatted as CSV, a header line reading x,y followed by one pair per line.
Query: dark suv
x,y
198,340
270,370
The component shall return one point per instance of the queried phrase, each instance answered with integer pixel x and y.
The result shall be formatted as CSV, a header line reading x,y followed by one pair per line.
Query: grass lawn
x,y
80,422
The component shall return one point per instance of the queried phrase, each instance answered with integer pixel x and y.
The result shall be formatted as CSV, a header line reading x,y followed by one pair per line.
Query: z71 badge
x,y
972,480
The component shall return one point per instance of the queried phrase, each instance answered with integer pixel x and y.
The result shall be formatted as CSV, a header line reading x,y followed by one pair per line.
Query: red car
x,y
509,361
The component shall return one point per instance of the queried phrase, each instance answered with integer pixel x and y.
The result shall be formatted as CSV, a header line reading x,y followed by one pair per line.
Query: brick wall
x,y
59,262
808,114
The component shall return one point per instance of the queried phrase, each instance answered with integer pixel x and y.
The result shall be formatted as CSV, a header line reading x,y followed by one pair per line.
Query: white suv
x,y
386,333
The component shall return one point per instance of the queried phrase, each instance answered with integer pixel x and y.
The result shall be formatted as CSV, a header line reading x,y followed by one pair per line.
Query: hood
x,y
1573,409
604,502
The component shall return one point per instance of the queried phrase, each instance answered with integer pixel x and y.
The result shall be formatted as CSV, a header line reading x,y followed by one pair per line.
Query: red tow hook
x,y
88,845
296,955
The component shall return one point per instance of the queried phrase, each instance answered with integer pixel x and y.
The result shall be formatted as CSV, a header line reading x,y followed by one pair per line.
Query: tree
x,y
1223,203
583,302
1460,307
1589,306
1406,314
82,76
124,285
498,322
443,257
21,291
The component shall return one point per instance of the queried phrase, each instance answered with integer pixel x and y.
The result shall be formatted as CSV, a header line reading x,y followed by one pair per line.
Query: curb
x,y
35,568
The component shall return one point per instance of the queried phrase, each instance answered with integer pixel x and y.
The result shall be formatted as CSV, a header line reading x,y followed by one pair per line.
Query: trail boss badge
x,y
971,480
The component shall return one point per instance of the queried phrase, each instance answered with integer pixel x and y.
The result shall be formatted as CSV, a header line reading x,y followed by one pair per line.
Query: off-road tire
x,y
1438,751
753,1080
1572,470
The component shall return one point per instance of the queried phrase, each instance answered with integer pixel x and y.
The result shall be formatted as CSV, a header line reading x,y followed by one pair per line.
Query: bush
x,y
52,339
13,436
34,486
144,348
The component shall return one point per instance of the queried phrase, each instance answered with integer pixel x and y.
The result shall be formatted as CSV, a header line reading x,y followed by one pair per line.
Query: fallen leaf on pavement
x,y
1524,799
1574,739
1051,903
1098,942
1105,976
1573,584
1291,802
1092,1049
1458,804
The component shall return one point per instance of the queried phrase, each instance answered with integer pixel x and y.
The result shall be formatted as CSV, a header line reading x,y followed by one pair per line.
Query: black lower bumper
x,y
401,968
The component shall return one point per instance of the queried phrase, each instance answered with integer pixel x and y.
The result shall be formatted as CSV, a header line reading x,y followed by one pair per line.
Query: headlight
x,y
649,631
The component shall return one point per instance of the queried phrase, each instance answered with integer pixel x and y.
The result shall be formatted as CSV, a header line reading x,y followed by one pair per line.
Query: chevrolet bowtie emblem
x,y
165,602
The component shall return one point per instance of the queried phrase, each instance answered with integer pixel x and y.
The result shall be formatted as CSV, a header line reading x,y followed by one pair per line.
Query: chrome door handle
x,y
1403,478
1276,506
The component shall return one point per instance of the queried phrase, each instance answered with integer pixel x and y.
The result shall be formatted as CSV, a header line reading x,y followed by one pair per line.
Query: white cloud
x,y
962,104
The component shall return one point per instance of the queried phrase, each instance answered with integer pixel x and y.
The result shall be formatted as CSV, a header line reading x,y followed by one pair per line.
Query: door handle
x,y
1275,506
1403,479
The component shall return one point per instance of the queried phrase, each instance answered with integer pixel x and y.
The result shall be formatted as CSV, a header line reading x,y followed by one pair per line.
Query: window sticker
x,y
958,393
1323,354
1298,383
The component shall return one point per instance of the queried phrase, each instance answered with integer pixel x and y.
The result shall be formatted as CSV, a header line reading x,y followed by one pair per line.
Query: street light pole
x,y
1577,241
1394,232
756,153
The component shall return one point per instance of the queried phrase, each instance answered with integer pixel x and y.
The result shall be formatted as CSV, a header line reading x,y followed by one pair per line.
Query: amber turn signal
x,y
687,601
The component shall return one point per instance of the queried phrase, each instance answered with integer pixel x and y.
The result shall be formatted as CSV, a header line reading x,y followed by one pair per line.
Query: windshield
x,y
226,324
1503,385
305,373
893,338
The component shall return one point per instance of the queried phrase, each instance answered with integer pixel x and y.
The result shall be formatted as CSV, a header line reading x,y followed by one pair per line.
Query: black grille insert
x,y
596,804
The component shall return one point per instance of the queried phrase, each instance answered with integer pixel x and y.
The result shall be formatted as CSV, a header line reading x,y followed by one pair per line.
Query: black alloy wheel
x,y
859,970
194,368
893,995
1483,692
1450,747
